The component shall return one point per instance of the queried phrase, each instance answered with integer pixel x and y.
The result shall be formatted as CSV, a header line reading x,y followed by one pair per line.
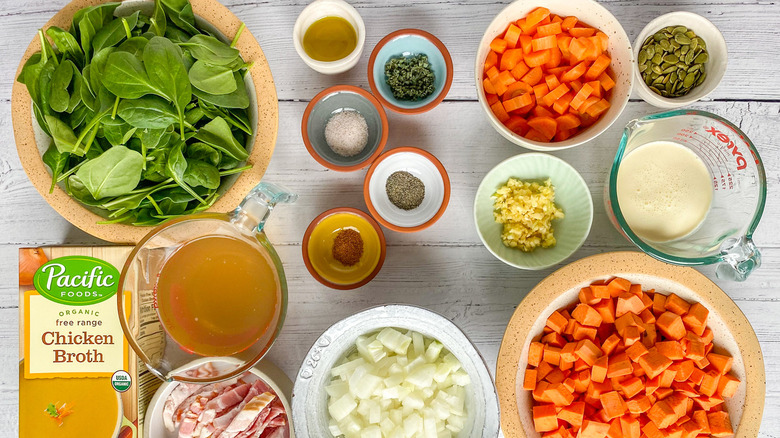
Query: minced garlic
x,y
527,210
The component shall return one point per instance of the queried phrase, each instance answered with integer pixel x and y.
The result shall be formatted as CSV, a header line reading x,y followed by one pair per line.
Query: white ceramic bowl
x,y
309,401
715,67
591,13
264,370
329,8
422,165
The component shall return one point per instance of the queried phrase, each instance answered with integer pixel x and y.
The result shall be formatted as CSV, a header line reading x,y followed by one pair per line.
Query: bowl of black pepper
x,y
344,248
410,71
406,189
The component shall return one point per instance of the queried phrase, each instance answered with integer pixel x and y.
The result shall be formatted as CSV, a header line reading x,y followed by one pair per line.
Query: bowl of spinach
x,y
129,114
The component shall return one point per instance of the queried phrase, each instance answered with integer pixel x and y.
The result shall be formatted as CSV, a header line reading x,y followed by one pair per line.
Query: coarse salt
x,y
347,133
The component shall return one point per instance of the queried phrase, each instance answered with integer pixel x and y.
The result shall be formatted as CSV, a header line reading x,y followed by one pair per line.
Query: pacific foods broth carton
x,y
77,375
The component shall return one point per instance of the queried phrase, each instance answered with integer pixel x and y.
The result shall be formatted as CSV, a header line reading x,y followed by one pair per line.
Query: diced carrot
x,y
574,73
540,90
510,58
500,112
537,15
562,105
541,111
552,82
607,83
602,39
545,418
578,100
671,325
676,305
579,50
537,58
492,73
535,135
597,92
533,77
498,45
544,43
568,23
518,102
695,319
598,108
488,86
564,41
626,302
516,89
554,28
535,353
492,98
719,423
556,57
552,97
593,429
491,60
598,67
512,35
505,78
547,126
573,414
579,32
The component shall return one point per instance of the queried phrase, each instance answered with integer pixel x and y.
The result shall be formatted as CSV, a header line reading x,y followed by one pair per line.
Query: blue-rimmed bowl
x,y
409,42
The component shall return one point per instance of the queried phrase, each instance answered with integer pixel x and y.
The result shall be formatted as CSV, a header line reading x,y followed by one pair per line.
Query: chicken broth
x,y
218,295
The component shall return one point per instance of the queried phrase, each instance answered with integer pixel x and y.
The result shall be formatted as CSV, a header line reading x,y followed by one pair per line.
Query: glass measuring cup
x,y
725,236
145,328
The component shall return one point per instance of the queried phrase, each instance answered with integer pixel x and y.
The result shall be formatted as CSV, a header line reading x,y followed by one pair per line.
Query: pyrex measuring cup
x,y
739,191
144,326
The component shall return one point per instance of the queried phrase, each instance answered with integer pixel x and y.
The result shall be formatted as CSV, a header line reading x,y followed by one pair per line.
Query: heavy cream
x,y
664,191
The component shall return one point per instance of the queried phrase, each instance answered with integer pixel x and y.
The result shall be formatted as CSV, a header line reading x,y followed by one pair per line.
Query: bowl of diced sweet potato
x,y
621,345
553,74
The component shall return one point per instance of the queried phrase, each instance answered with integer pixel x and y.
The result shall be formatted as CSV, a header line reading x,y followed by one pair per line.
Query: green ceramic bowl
x,y
571,195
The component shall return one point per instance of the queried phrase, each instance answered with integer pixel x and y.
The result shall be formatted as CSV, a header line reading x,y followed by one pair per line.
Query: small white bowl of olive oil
x,y
329,36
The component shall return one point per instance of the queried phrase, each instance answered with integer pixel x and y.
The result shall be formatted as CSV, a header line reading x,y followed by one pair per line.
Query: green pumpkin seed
x,y
689,80
665,44
684,50
701,79
689,57
658,59
658,69
656,90
681,74
642,57
680,29
682,39
672,59
658,37
702,58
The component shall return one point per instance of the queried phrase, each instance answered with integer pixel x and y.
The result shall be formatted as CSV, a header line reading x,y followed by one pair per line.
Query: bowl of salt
x,y
344,128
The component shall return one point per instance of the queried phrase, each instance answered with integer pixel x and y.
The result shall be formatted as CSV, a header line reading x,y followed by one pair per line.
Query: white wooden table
x,y
444,268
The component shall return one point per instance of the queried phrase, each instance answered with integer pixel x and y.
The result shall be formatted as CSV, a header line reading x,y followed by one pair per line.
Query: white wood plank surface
x,y
444,268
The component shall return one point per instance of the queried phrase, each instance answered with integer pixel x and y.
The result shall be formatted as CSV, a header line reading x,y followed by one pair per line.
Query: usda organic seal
x,y
121,381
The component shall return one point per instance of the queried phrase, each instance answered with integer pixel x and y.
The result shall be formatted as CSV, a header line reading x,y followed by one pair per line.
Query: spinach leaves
x,y
146,114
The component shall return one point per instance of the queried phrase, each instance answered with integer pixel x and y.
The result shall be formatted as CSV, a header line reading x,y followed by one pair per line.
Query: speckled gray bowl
x,y
328,103
309,399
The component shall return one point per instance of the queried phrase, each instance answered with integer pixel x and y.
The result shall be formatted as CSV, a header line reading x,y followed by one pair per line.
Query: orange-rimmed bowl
x,y
330,102
407,42
420,164
318,243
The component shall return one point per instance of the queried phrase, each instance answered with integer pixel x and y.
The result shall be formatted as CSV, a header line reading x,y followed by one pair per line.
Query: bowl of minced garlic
x,y
533,211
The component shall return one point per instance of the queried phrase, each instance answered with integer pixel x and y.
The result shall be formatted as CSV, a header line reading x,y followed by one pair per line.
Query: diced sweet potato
x,y
545,418
671,325
720,424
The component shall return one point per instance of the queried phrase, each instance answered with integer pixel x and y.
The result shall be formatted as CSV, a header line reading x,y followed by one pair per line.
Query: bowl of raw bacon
x,y
553,74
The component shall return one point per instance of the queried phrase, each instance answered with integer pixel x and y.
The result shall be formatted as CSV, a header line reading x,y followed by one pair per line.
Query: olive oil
x,y
218,295
329,39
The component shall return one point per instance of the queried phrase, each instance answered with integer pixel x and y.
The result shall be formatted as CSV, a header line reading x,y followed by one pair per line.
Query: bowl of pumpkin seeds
x,y
680,58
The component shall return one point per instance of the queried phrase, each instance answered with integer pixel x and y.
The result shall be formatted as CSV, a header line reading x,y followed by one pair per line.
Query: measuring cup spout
x,y
740,258
255,209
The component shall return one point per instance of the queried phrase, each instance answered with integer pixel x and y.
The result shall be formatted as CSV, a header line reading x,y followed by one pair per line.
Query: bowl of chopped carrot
x,y
622,345
553,74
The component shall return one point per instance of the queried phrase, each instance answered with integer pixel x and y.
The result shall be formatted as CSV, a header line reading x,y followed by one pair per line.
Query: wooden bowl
x,y
262,93
732,331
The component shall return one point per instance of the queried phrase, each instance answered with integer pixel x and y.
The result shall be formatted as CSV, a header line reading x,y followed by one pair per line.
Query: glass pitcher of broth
x,y
206,288
688,187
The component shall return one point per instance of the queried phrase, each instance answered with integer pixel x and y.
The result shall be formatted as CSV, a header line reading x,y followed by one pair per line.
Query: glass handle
x,y
257,206
740,257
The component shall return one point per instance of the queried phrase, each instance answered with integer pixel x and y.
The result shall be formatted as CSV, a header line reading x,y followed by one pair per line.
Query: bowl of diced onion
x,y
394,370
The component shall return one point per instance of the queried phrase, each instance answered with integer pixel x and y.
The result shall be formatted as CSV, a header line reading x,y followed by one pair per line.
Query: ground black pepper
x,y
405,190
348,247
